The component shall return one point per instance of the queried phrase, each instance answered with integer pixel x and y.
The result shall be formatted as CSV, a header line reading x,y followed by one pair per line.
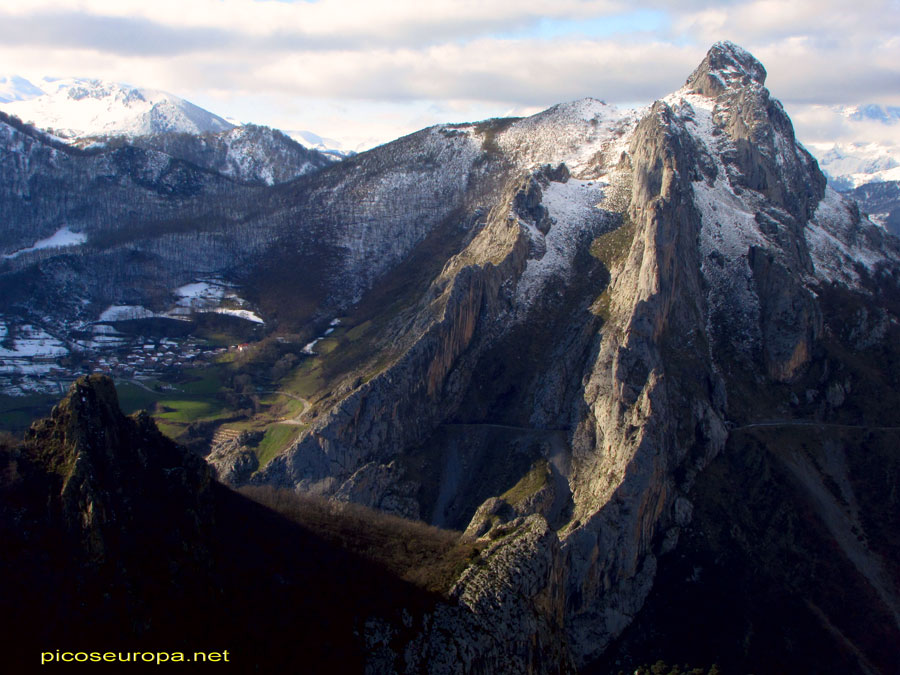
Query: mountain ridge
x,y
81,107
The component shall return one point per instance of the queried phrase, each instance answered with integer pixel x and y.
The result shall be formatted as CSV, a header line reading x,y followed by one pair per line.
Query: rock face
x,y
612,318
881,201
90,446
515,589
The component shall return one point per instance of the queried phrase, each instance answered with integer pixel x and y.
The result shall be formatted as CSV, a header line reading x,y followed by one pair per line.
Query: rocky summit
x,y
647,361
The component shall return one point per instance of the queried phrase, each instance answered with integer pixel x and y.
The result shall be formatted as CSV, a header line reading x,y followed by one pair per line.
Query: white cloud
x,y
821,125
490,70
345,21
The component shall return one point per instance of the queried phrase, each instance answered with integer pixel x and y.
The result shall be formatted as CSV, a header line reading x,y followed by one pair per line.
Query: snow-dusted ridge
x,y
75,108
577,133
834,250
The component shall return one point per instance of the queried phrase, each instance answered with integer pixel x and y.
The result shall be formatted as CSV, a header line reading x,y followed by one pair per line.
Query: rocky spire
x,y
726,66
118,480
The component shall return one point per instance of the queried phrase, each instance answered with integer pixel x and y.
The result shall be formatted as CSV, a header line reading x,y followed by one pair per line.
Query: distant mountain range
x,y
14,88
866,170
849,165
78,108
329,146
81,110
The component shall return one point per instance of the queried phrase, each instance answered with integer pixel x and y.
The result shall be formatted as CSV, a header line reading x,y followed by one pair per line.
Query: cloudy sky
x,y
366,71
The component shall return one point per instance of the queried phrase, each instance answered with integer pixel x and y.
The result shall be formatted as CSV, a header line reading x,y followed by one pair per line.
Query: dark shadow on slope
x,y
114,539
762,579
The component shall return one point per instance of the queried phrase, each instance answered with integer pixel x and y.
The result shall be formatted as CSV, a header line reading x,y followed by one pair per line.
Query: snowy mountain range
x,y
77,108
15,88
850,165
81,110
95,114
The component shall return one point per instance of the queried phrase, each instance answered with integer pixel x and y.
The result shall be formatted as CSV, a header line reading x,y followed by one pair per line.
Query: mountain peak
x,y
15,88
726,66
76,107
108,465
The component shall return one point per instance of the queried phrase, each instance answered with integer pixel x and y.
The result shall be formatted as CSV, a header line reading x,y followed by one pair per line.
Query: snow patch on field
x,y
195,297
32,351
199,294
125,313
245,314
62,237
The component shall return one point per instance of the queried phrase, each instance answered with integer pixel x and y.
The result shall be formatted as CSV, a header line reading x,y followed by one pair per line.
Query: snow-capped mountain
x,y
99,115
15,88
872,112
328,146
850,165
77,108
92,113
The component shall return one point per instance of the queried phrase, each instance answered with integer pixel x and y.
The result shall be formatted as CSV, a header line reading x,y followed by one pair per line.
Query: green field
x,y
18,412
277,438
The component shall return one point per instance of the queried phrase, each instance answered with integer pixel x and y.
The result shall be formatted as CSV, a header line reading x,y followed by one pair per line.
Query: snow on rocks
x,y
835,249
573,209
728,227
574,133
